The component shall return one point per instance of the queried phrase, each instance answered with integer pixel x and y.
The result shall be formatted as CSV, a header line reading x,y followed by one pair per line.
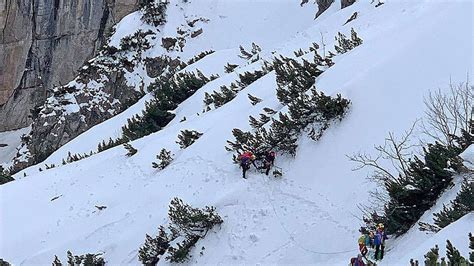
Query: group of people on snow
x,y
371,246
248,158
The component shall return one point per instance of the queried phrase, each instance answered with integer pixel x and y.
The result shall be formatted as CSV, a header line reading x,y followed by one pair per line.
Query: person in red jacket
x,y
246,159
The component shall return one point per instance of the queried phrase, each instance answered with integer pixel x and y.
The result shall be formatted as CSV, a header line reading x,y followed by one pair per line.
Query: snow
x,y
12,139
468,157
308,216
456,233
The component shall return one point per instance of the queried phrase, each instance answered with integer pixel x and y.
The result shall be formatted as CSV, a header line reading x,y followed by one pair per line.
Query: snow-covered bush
x,y
253,99
199,57
229,68
415,185
136,43
252,56
227,94
130,149
432,258
187,137
154,11
82,260
312,112
154,247
164,159
4,176
168,94
346,44
457,208
187,226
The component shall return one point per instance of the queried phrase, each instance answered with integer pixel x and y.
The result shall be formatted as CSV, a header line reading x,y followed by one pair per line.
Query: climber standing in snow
x,y
268,161
246,159
364,241
379,241
357,261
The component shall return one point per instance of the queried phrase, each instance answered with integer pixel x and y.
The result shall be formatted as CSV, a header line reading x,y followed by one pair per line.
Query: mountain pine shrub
x,y
82,260
4,176
131,150
460,206
154,247
168,94
187,226
253,99
164,159
345,44
413,193
154,12
187,137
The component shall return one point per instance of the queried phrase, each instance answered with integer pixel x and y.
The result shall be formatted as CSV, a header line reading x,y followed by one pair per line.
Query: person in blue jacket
x,y
379,241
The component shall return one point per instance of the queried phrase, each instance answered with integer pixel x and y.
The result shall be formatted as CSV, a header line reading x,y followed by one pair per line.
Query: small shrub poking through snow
x,y
199,57
229,68
131,150
4,176
253,99
227,94
154,12
4,263
154,247
452,253
187,226
165,158
86,260
345,44
187,137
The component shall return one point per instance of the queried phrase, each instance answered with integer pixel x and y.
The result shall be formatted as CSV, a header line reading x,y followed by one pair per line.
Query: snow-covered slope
x,y
9,140
310,215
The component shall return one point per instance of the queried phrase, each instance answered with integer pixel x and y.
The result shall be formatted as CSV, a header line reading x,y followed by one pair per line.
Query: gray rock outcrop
x,y
43,43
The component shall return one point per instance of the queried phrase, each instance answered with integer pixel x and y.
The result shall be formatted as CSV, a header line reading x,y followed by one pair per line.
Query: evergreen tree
x,y
356,41
4,176
199,57
254,100
191,221
165,158
345,44
154,12
155,247
253,55
411,195
454,256
131,150
82,260
248,78
471,247
187,137
229,68
180,253
269,111
460,206
4,263
168,94
431,258
187,226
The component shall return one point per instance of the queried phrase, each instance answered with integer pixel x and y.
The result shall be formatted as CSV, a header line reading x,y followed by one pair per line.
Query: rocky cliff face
x,y
43,43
